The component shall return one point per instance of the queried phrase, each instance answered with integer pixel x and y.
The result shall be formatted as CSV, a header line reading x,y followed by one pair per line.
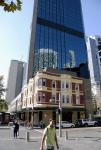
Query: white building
x,y
16,79
94,63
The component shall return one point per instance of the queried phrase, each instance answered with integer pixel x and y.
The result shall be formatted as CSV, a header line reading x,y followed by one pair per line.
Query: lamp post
x,y
60,116
16,109
33,111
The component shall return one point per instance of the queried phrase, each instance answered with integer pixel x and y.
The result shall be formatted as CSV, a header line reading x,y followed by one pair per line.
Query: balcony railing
x,y
50,102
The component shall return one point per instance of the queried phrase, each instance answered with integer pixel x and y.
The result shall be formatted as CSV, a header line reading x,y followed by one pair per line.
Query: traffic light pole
x,y
60,116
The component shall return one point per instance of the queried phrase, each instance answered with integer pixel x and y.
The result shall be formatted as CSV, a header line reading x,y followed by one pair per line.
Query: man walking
x,y
16,129
49,136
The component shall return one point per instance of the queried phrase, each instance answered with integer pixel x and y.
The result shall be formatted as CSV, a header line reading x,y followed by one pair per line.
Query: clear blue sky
x,y
15,30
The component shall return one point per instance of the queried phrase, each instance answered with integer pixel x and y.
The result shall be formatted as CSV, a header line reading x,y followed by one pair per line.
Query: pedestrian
x,y
16,129
42,125
49,137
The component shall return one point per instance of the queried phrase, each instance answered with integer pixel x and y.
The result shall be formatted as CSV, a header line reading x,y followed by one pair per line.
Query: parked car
x,y
98,120
85,123
65,124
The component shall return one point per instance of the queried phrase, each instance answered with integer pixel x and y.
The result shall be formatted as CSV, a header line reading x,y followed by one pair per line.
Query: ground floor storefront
x,y
44,114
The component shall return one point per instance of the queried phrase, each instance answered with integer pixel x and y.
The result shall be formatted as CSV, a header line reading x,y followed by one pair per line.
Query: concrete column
x,y
74,116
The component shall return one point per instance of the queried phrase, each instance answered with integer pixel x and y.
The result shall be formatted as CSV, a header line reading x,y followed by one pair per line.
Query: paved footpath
x,y
78,139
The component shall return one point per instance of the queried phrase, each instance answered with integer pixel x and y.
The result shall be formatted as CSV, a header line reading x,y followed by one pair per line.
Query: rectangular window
x,y
62,85
44,82
30,100
63,99
73,86
39,82
74,99
67,85
67,99
53,84
43,96
77,100
82,99
53,97
76,87
39,96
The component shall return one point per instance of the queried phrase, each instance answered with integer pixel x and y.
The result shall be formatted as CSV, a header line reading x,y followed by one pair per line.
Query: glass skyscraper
x,y
57,37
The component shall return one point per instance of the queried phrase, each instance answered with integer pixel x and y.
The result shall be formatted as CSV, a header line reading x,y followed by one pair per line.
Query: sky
x,y
15,29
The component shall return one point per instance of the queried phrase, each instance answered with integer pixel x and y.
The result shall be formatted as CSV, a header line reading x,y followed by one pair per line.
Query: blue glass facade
x,y
63,12
59,37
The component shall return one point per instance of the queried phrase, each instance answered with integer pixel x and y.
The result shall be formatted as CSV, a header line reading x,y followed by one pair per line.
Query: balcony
x,y
50,102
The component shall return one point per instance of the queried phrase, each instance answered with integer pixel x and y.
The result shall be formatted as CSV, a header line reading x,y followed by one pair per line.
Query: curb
x,y
4,128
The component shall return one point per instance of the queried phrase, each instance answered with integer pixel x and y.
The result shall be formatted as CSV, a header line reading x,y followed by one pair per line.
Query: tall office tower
x,y
15,79
25,67
98,45
94,63
57,33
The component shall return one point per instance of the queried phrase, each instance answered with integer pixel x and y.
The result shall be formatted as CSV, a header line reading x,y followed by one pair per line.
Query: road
x,y
78,139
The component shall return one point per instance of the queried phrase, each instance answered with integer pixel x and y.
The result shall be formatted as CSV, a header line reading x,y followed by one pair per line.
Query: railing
x,y
50,102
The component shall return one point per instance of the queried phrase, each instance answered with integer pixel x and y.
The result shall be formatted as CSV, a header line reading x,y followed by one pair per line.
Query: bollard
x,y
66,135
27,136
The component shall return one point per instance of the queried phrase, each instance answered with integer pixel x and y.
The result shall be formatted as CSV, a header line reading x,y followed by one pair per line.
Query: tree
x,y
11,6
3,103
2,89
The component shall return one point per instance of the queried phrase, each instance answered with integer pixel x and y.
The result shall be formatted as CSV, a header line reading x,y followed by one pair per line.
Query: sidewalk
x,y
4,127
78,139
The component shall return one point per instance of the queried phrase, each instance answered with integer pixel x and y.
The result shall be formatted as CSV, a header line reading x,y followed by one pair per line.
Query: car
x,y
85,123
98,120
65,124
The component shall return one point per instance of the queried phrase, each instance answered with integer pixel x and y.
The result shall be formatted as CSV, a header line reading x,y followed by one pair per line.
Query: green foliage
x,y
2,89
3,105
11,7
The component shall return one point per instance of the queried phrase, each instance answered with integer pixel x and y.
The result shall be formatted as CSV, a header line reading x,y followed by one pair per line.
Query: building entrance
x,y
67,116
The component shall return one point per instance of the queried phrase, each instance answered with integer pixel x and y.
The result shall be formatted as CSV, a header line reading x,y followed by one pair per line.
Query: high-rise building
x,y
15,79
57,37
94,63
93,59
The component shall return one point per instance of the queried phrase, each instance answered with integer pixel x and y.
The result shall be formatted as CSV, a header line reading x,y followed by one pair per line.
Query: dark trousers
x,y
50,148
15,133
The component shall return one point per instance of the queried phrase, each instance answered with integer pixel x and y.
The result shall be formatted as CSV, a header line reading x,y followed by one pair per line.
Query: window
x,y
67,85
53,84
76,86
44,82
43,96
77,100
30,100
39,96
39,82
63,99
67,99
53,97
62,84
